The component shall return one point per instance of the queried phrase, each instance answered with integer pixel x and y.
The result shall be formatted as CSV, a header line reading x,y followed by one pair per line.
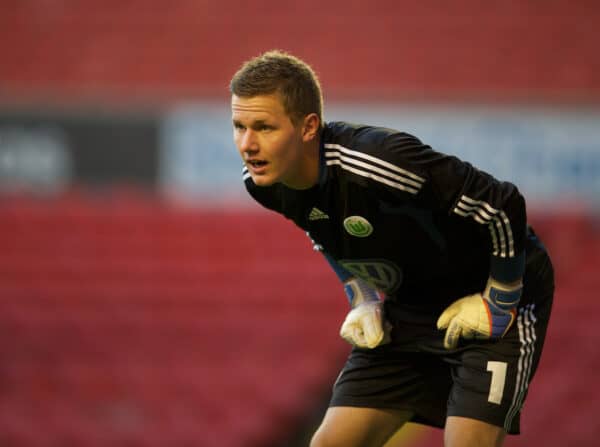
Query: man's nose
x,y
249,141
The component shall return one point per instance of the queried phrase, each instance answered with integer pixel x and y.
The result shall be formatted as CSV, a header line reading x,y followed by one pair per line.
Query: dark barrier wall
x,y
56,148
552,154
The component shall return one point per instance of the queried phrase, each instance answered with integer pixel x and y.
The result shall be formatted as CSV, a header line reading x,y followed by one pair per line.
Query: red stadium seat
x,y
141,337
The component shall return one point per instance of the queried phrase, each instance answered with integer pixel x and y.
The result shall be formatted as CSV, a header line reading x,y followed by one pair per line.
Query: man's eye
x,y
265,127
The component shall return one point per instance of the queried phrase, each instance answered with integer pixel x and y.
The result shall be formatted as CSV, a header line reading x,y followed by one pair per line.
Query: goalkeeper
x,y
450,290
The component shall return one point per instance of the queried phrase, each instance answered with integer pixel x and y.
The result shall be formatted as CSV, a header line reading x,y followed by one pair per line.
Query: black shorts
x,y
484,380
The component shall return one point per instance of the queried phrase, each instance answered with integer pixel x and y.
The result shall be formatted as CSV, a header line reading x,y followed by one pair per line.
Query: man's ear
x,y
310,127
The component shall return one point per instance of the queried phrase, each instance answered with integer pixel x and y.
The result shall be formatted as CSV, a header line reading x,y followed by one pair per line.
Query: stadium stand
x,y
127,323
423,50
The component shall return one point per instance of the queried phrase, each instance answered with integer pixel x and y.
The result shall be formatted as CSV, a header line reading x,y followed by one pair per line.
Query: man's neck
x,y
308,173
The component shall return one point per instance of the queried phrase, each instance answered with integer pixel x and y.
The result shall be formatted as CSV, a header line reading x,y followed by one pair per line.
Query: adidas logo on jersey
x,y
317,214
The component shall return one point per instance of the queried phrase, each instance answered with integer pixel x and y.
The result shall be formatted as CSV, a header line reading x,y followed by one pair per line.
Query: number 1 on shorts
x,y
498,370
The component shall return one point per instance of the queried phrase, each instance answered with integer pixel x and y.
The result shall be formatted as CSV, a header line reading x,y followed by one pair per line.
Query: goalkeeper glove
x,y
364,325
487,315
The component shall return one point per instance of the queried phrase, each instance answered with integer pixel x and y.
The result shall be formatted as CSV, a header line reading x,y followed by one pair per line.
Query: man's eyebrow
x,y
258,122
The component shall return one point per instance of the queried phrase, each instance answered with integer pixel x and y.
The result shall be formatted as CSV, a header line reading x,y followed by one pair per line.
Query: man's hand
x,y
365,326
487,315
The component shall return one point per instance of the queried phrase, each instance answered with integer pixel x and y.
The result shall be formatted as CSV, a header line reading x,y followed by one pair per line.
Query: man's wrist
x,y
507,270
359,292
505,295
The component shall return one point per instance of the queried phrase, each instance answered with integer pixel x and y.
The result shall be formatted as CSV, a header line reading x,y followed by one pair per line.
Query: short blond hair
x,y
279,72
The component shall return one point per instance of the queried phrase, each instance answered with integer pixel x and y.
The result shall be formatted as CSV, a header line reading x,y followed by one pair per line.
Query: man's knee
x,y
322,438
328,436
364,427
466,432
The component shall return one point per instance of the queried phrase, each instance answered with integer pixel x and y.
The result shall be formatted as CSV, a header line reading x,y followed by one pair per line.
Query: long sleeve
x,y
460,189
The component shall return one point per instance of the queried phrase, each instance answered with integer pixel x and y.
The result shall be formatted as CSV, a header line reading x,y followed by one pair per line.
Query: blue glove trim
x,y
507,270
503,299
500,320
350,293
358,288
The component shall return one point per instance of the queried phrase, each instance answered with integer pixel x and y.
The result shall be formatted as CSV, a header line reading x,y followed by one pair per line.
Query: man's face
x,y
268,141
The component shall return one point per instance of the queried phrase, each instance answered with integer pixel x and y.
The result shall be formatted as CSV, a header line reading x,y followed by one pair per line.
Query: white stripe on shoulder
x,y
497,221
347,161
378,161
373,176
470,212
481,203
475,210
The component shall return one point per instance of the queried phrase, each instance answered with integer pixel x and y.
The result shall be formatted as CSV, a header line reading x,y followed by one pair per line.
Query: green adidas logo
x,y
317,214
358,226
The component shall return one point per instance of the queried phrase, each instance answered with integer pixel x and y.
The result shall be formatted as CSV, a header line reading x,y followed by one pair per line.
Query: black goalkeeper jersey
x,y
421,226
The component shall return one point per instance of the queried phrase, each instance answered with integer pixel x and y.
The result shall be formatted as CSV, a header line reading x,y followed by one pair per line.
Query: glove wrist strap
x,y
359,292
504,296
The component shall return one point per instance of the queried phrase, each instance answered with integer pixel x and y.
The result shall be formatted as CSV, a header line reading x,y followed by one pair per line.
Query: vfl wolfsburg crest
x,y
358,226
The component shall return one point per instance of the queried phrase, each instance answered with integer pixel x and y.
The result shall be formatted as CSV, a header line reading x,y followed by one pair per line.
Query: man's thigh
x,y
386,377
355,426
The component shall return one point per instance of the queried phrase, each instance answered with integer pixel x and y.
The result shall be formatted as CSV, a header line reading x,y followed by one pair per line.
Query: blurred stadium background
x,y
145,301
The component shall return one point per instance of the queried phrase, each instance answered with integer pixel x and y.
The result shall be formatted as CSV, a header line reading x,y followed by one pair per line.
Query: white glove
x,y
364,325
487,315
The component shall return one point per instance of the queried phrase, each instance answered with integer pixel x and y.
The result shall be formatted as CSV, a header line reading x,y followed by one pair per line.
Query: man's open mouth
x,y
257,163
